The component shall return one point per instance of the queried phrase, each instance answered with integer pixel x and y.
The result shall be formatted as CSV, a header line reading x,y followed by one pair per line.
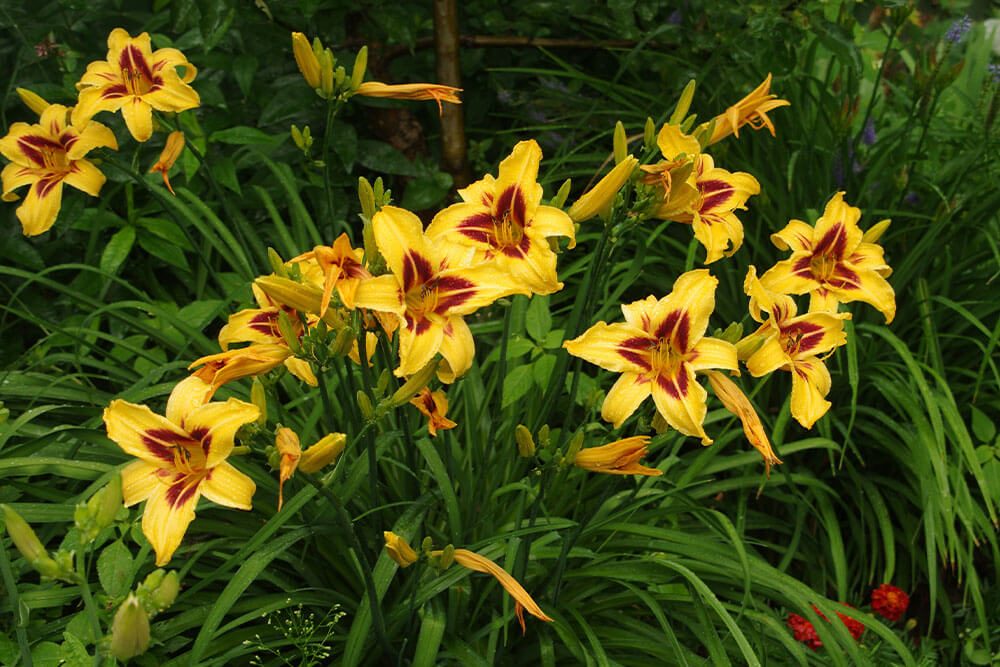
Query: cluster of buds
x,y
97,513
55,566
321,71
130,628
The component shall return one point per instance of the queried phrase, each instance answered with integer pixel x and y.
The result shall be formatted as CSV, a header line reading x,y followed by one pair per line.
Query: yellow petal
x,y
673,142
142,433
418,343
306,59
769,357
399,550
188,394
550,221
381,293
216,424
169,511
598,198
139,480
734,400
86,177
15,176
615,347
225,485
516,182
400,238
795,236
479,563
713,353
41,207
620,457
681,401
810,385
683,315
624,398
302,369
458,349
138,118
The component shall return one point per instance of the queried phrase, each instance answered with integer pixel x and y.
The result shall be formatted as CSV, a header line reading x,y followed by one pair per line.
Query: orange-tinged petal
x,y
479,563
458,349
235,364
734,400
399,550
624,398
225,485
681,402
169,511
620,457
618,347
810,385
139,480
215,426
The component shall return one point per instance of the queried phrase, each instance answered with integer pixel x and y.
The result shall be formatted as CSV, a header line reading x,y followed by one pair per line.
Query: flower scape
x,y
437,355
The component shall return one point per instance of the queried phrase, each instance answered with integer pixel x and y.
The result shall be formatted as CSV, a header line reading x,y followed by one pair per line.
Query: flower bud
x,y
27,542
525,443
876,231
306,298
683,104
649,134
258,396
399,550
287,330
360,65
560,199
367,197
543,436
731,334
383,382
33,101
339,75
4,413
574,447
277,264
165,594
323,453
365,404
305,58
97,513
130,629
620,142
414,384
599,198
447,557
326,73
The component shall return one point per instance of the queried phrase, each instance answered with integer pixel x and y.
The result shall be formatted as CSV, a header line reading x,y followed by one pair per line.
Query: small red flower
x,y
804,631
890,601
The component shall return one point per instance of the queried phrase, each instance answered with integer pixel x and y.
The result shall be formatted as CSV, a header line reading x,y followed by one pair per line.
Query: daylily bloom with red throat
x,y
433,405
181,457
658,349
503,220
620,457
136,80
342,268
751,109
791,342
707,201
832,263
45,156
430,289
411,91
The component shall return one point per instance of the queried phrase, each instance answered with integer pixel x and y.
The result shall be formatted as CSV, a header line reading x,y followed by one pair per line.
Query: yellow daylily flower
x,y
45,156
411,91
398,549
474,561
341,267
171,151
182,456
430,289
256,359
832,263
658,349
620,457
503,220
136,80
751,109
791,342
599,198
734,400
433,405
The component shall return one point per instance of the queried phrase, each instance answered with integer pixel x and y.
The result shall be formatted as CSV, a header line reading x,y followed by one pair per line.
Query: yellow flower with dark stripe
x,y
658,350
135,79
45,156
182,456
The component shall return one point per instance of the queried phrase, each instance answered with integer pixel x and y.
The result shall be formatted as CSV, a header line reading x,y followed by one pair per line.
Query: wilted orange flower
x,y
433,405
411,91
620,457
751,110
171,151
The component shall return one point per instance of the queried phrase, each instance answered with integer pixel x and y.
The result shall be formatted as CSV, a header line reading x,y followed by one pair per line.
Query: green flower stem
x,y
332,109
501,368
344,520
15,602
88,599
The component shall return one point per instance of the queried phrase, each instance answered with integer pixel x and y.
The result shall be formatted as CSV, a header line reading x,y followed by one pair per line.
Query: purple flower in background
x,y
994,70
912,198
675,17
956,33
868,135
505,96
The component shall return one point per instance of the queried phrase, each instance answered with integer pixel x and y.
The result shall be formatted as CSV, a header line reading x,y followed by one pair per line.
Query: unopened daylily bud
x,y
258,396
297,138
382,383
339,75
4,413
307,137
447,557
166,592
33,101
731,334
323,453
427,544
399,550
360,65
414,384
649,134
574,446
525,443
600,197
620,142
287,331
305,58
343,343
876,231
365,404
306,298
367,198
24,537
543,436
562,194
277,264
326,64
130,629
97,513
683,104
